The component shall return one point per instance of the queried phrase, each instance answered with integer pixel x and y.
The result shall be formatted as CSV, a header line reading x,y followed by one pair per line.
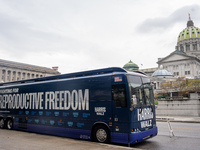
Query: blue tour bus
x,y
104,105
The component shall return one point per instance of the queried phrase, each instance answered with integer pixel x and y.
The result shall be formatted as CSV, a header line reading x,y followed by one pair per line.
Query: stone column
x,y
0,75
15,77
198,46
20,77
184,47
191,47
5,76
10,75
25,75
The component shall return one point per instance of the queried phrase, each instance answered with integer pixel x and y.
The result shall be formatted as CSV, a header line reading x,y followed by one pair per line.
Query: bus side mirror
x,y
134,100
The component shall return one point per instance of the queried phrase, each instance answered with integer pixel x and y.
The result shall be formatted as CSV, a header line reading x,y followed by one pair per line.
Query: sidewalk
x,y
178,119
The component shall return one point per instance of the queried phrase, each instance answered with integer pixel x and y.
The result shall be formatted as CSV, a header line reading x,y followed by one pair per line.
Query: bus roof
x,y
73,75
70,75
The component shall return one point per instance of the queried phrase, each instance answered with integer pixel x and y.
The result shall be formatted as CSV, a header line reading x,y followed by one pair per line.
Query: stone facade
x,y
180,107
14,71
191,47
181,64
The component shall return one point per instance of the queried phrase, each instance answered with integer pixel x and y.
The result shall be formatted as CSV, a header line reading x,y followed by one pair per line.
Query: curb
x,y
171,119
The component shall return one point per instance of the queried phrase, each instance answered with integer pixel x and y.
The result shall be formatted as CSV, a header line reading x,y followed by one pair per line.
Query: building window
x,y
119,95
23,76
176,73
187,47
28,76
18,76
181,48
8,76
194,47
14,76
187,65
187,72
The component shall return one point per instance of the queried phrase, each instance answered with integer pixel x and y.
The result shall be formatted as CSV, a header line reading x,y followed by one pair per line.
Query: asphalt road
x,y
189,130
187,136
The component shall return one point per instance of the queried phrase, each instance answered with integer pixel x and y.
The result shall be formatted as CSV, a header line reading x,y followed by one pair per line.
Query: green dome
x,y
190,32
130,66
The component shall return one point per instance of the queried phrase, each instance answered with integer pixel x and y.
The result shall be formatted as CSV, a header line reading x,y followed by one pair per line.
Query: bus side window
x,y
119,95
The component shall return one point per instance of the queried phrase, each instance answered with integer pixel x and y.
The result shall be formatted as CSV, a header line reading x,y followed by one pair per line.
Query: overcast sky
x,y
79,35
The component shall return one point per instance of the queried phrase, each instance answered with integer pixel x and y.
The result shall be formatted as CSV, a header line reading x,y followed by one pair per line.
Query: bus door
x,y
142,103
120,112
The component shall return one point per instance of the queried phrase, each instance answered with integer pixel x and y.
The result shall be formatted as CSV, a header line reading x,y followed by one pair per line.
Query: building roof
x,y
149,70
161,72
180,53
23,66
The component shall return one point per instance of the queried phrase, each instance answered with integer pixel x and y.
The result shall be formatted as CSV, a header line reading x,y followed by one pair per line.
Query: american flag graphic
x,y
118,79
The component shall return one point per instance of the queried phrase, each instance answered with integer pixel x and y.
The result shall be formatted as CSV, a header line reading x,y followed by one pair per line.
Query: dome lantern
x,y
190,23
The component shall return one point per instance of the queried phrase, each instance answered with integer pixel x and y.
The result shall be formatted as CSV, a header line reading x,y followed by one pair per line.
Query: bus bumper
x,y
141,136
133,137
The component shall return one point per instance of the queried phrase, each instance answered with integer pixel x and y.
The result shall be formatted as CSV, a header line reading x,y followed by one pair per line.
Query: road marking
x,y
181,128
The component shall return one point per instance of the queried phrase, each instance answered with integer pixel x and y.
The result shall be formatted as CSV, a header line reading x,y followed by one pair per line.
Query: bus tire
x,y
101,134
9,124
2,123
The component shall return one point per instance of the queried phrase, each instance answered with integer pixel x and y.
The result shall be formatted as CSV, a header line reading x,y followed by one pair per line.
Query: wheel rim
x,y
101,135
1,123
9,124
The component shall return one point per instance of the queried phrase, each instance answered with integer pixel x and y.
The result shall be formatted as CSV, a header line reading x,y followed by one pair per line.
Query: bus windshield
x,y
141,91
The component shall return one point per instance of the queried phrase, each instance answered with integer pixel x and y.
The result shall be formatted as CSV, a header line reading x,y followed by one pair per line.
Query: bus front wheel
x,y
2,123
101,134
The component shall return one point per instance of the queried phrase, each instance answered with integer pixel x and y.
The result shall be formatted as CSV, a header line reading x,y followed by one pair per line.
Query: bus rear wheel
x,y
101,134
2,123
9,124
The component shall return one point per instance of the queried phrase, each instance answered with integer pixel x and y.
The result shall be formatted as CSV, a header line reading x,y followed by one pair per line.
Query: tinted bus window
x,y
148,91
141,90
135,90
148,94
119,95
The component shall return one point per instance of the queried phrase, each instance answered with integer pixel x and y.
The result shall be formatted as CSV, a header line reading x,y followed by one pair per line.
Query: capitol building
x,y
183,62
